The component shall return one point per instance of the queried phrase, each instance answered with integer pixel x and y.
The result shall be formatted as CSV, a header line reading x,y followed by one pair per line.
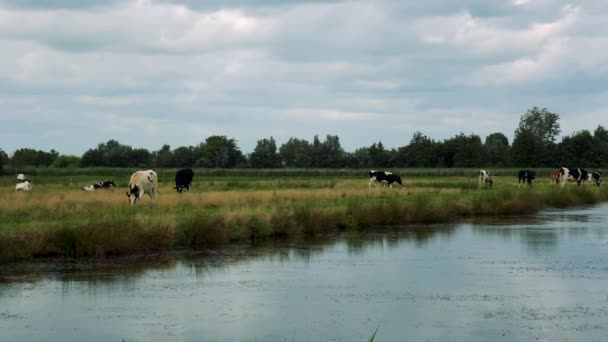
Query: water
x,y
542,277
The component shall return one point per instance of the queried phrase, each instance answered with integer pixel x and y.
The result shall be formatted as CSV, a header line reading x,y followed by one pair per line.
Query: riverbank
x,y
52,221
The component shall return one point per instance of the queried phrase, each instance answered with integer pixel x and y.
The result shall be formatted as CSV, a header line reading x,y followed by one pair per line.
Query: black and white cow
x,y
101,185
596,177
485,178
141,183
576,174
183,179
525,176
389,178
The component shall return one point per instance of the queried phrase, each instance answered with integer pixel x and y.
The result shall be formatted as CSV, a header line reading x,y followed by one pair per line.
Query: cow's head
x,y
133,194
110,182
597,177
398,180
179,188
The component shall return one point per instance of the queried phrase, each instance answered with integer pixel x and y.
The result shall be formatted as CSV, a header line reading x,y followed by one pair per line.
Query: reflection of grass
x,y
55,220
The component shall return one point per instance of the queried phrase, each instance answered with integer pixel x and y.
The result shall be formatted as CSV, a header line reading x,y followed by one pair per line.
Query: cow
x,y
554,175
101,185
596,177
140,183
526,176
485,178
23,186
577,175
183,180
389,178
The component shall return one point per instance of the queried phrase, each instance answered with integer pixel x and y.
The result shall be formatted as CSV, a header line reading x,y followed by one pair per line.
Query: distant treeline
x,y
534,145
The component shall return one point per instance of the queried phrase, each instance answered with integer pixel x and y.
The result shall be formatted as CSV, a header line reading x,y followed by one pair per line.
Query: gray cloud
x,y
176,72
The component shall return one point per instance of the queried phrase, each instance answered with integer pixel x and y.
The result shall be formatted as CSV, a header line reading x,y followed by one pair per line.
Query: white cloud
x,y
254,69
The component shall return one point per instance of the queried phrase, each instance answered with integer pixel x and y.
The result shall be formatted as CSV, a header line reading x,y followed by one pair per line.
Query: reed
x,y
65,222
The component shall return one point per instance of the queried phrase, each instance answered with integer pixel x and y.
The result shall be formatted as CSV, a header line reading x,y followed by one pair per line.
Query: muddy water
x,y
544,277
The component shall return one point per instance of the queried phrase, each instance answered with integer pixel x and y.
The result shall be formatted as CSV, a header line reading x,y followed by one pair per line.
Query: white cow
x,y
485,178
23,186
142,182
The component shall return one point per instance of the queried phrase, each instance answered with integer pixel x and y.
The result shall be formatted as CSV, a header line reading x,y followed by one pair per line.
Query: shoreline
x,y
74,225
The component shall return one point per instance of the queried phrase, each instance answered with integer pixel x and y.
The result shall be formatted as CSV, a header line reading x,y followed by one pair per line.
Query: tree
x,y
601,134
163,157
462,151
64,161
3,160
218,152
184,156
527,149
580,150
378,155
543,124
296,153
421,151
332,154
496,150
32,157
265,154
114,154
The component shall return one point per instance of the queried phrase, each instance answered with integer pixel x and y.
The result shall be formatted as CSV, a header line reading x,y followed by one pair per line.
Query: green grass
x,y
57,219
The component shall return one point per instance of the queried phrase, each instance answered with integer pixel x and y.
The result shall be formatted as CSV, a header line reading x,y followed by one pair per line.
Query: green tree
x,y
219,152
296,153
64,161
544,125
3,160
527,149
163,157
265,154
184,156
32,157
496,150
361,158
379,156
421,151
462,151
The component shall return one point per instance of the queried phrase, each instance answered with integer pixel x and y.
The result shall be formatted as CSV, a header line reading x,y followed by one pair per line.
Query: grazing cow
x,y
577,175
485,178
596,177
101,185
526,176
554,175
23,186
389,178
183,179
142,182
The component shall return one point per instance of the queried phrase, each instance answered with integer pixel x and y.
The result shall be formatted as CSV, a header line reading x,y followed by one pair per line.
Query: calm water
x,y
544,277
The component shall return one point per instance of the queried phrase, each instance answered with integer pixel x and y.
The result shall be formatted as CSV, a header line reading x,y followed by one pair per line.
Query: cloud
x,y
367,71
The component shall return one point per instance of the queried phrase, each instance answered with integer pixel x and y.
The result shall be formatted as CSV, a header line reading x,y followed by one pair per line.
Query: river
x,y
539,277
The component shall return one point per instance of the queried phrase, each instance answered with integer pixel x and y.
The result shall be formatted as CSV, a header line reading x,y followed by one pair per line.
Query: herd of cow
x,y
146,182
525,177
141,183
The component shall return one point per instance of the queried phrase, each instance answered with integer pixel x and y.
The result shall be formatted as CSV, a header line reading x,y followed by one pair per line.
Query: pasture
x,y
57,219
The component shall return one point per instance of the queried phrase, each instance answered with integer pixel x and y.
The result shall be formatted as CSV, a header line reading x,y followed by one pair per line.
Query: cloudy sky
x,y
74,73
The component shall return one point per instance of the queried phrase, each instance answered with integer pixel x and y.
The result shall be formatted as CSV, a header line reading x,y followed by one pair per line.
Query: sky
x,y
75,73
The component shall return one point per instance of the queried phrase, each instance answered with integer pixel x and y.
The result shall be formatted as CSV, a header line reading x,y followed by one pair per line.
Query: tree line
x,y
534,145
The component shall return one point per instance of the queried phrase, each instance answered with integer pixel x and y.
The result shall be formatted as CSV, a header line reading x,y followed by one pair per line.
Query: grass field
x,y
58,219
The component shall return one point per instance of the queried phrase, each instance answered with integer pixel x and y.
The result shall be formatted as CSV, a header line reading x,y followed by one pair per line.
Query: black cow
x,y
575,174
597,177
101,185
526,176
183,179
376,177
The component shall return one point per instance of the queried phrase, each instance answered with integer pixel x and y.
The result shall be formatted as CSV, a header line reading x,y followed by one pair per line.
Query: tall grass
x,y
55,221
